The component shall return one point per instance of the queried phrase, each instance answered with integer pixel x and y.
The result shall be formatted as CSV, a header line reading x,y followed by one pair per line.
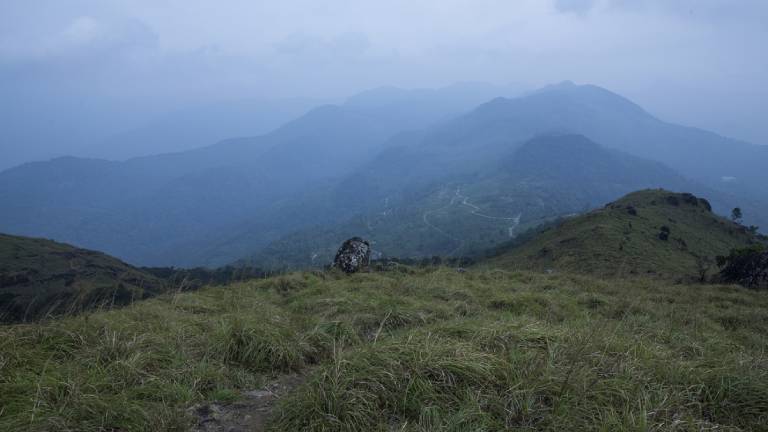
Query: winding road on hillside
x,y
425,218
475,210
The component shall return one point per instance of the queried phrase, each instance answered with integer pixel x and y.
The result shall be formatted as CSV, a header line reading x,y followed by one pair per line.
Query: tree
x,y
736,215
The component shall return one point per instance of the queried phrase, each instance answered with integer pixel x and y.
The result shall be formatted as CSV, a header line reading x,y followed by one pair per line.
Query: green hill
x,y
410,350
655,232
40,277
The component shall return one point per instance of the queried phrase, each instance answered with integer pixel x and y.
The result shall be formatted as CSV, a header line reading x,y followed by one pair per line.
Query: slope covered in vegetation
x,y
40,277
656,232
410,350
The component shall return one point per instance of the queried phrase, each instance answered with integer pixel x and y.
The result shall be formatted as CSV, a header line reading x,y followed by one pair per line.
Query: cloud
x,y
346,45
576,6
83,29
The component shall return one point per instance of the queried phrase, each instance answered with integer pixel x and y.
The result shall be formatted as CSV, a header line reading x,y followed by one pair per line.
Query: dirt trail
x,y
247,415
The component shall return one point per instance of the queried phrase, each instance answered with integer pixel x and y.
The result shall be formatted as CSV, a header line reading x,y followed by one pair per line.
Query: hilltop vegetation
x,y
406,350
650,232
41,277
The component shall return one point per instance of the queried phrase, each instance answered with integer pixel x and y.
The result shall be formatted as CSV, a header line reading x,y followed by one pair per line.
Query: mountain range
x,y
418,175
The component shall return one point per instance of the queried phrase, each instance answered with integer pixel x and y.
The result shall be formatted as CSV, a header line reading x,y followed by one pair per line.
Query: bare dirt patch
x,y
249,414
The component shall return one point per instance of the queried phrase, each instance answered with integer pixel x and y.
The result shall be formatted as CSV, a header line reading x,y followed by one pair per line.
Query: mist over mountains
x,y
422,172
94,129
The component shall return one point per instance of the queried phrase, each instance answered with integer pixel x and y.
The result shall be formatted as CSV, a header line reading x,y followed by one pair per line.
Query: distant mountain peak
x,y
584,98
562,85
567,84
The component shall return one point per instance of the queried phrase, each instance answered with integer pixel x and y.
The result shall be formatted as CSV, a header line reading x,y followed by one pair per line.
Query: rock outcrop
x,y
353,255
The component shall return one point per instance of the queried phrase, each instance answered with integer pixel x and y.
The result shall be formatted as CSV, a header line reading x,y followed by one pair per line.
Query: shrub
x,y
747,267
664,233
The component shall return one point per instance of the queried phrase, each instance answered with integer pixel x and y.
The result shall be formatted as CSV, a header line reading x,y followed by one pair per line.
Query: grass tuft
x,y
260,346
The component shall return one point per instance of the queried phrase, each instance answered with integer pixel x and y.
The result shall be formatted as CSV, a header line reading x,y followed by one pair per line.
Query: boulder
x,y
353,255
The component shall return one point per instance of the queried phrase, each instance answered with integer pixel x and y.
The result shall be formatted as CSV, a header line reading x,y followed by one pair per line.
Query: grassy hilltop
x,y
411,350
649,232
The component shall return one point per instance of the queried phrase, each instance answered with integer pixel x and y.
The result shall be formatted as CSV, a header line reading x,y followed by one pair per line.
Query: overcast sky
x,y
697,62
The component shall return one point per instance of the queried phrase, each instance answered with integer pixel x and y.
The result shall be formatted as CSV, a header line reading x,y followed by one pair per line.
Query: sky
x,y
72,71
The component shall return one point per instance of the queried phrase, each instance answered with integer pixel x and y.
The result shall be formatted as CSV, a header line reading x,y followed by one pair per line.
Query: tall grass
x,y
423,350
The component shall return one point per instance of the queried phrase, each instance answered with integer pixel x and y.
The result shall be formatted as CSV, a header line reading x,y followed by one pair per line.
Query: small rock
x,y
206,412
256,394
